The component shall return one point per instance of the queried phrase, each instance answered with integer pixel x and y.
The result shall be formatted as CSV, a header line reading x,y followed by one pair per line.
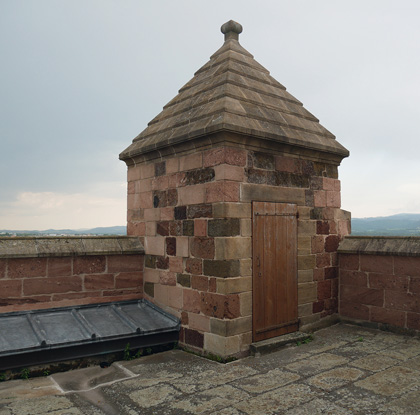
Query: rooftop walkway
x,y
344,370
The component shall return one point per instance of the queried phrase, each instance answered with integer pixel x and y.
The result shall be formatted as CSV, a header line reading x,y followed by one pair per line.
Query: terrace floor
x,y
344,370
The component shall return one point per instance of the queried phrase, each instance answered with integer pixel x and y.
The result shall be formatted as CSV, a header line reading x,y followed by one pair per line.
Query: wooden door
x,y
274,248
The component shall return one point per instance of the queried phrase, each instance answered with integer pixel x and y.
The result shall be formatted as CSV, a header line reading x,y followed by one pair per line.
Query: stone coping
x,y
380,245
64,246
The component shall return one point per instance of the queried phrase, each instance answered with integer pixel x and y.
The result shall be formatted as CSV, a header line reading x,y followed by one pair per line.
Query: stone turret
x,y
232,136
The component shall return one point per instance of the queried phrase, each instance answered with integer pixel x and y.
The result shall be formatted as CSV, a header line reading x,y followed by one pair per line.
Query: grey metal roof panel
x,y
52,334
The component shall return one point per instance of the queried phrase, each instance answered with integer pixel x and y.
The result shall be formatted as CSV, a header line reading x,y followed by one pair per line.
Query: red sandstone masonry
x,y
385,291
33,283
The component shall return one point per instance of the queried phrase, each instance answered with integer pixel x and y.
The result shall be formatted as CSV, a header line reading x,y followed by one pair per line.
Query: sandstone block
x,y
9,289
382,315
377,263
227,172
202,247
151,275
222,155
89,264
152,214
224,227
306,227
193,338
154,245
160,168
233,248
99,281
305,310
221,346
324,290
149,289
306,275
128,280
306,262
245,303
136,228
200,227
304,245
245,267
286,164
162,262
170,246
199,283
176,264
254,192
191,161
57,267
167,278
184,280
220,306
124,263
167,213
354,310
398,300
353,278
188,227
362,295
192,195
307,293
221,269
234,285
172,165
194,266
28,267
199,322
333,199
230,327
161,294
147,170
388,282
35,286
406,266
232,210
191,300
223,191
133,173
320,198
180,212
199,211
175,297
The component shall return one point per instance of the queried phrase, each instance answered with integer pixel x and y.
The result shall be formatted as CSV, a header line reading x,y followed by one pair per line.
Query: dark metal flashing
x,y
44,336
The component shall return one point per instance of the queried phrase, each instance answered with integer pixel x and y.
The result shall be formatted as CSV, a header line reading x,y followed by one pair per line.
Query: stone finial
x,y
231,30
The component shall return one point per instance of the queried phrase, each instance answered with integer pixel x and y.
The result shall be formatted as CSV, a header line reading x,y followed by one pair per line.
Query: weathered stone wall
x,y
194,215
40,273
380,281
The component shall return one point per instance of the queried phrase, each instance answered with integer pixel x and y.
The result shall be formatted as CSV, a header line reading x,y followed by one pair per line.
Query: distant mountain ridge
x,y
109,230
402,224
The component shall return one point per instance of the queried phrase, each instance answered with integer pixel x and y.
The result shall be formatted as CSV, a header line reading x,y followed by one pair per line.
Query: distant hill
x,y
403,224
110,230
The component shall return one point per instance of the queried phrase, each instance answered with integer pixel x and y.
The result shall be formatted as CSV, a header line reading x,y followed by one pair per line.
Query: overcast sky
x,y
79,79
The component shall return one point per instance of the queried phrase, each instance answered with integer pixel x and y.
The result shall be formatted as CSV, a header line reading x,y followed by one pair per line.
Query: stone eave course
x,y
381,245
64,246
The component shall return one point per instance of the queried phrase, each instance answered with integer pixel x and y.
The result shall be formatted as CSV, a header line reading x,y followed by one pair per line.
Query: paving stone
x,y
149,397
391,382
358,400
317,364
210,400
375,363
267,381
318,407
408,404
335,378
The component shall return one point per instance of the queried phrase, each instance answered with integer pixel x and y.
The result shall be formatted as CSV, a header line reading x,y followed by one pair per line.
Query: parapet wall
x,y
380,282
48,272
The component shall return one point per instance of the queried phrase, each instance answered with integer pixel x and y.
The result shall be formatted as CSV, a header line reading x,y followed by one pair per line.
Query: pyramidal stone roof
x,y
233,93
